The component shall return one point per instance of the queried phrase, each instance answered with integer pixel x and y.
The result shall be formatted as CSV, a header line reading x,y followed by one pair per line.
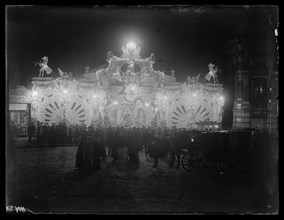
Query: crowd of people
x,y
44,134
105,141
96,143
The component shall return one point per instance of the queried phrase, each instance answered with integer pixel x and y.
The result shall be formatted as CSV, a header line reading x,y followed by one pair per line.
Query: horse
x,y
158,148
161,148
213,69
44,66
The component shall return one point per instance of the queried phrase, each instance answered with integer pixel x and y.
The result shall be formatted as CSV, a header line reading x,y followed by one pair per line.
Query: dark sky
x,y
184,39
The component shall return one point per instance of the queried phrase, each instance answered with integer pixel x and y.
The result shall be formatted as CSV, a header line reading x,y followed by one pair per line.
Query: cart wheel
x,y
186,162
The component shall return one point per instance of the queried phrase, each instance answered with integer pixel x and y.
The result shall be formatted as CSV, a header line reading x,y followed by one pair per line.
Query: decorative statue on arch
x,y
44,66
64,75
192,80
213,69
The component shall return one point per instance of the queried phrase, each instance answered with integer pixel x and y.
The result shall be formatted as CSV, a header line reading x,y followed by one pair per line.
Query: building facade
x,y
20,108
254,68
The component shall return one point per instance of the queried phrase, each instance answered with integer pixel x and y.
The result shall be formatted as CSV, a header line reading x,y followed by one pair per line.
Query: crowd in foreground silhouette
x,y
99,143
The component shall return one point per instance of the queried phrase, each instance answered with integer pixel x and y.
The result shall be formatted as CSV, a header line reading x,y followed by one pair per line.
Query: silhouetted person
x,y
39,133
96,153
134,147
114,152
80,153
31,130
102,148
88,162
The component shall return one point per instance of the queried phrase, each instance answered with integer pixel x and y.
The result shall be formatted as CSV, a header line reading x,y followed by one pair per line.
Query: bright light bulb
x,y
221,98
34,93
131,45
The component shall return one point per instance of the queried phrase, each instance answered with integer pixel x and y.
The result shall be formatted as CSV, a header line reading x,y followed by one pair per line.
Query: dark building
x,y
253,51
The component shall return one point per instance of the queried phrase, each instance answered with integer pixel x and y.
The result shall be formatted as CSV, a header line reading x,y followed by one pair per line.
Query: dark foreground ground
x,y
45,181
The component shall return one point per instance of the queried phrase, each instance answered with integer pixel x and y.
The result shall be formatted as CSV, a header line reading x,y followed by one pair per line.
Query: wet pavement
x,y
47,182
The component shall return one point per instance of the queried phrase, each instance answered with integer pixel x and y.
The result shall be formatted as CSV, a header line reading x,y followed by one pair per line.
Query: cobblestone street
x,y
47,182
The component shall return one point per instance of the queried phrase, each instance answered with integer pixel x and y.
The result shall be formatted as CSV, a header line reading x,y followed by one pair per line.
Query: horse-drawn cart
x,y
230,151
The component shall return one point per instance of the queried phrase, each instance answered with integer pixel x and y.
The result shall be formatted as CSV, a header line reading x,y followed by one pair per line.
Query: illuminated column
x,y
241,110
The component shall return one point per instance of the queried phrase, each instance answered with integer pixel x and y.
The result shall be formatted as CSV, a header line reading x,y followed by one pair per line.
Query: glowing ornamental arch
x,y
51,110
78,110
196,107
114,96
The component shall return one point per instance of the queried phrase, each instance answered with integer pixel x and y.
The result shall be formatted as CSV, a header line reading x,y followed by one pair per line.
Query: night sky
x,y
184,39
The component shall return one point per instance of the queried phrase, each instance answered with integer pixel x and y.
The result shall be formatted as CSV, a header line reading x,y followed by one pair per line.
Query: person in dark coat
x,y
39,133
31,130
77,135
87,163
80,153
147,141
52,134
96,153
56,134
102,148
174,149
134,147
64,138
158,147
120,137
111,140
114,151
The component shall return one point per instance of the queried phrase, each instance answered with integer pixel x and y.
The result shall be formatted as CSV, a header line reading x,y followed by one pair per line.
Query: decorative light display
x,y
114,96
131,45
